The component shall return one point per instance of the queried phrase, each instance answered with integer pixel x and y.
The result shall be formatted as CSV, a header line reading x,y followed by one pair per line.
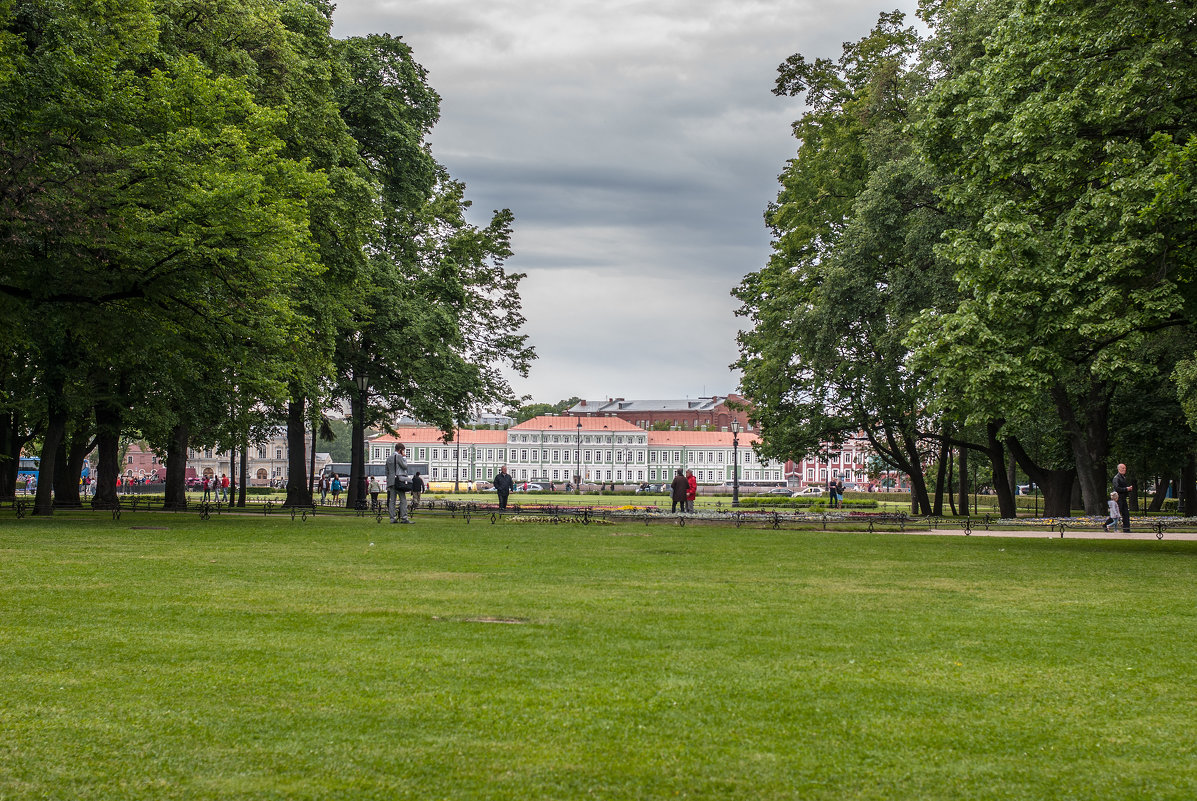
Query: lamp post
x,y
578,454
735,462
359,441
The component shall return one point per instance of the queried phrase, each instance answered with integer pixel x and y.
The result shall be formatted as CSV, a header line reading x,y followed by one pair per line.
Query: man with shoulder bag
x,y
398,483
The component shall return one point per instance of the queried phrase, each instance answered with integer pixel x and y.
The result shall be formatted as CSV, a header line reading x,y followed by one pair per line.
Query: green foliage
x,y
530,410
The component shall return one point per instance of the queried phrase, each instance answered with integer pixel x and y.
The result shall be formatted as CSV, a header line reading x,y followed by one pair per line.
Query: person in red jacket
x,y
691,490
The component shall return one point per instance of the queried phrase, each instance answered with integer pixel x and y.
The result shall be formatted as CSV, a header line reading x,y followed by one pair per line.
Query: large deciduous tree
x,y
1060,140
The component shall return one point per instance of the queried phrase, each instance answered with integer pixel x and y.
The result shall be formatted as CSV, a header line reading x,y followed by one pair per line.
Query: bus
x,y
28,467
376,469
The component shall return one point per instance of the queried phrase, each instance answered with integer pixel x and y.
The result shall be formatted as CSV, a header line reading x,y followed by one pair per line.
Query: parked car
x,y
524,487
777,491
806,492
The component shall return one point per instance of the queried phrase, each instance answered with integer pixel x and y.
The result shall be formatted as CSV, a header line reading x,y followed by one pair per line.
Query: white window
x,y
609,459
278,453
608,475
523,456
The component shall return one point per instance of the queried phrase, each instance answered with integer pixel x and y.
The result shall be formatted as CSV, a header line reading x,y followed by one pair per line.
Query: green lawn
x,y
257,657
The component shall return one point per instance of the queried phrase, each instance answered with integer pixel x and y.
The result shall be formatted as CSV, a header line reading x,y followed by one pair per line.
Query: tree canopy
x,y
985,240
214,209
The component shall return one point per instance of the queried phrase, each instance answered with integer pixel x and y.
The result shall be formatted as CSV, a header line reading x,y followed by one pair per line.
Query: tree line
x,y
215,220
985,245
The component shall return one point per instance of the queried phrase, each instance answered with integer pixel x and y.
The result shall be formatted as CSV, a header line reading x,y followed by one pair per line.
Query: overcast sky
x,y
637,144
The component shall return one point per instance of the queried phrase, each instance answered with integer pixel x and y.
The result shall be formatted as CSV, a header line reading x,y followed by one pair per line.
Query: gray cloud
x,y
638,144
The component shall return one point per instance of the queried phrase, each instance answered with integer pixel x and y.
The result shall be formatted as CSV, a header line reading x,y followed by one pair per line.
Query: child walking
x,y
1115,515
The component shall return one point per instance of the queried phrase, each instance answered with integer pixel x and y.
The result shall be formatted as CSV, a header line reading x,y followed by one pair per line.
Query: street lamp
x,y
578,454
735,462
359,440
457,455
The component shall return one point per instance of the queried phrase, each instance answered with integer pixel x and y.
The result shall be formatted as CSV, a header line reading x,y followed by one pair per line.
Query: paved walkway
x,y
1072,534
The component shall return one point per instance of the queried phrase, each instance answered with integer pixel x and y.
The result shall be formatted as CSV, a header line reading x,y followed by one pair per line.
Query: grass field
x,y
255,657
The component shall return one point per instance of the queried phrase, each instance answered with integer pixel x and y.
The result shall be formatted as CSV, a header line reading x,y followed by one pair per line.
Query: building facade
x,y
600,449
266,463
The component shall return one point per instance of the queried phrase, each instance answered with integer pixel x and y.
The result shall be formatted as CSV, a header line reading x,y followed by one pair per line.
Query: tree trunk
x,y
11,442
1188,486
1011,473
175,491
1161,492
108,437
945,454
1003,484
299,489
66,492
43,503
1055,484
1089,441
244,473
951,481
72,453
355,495
963,487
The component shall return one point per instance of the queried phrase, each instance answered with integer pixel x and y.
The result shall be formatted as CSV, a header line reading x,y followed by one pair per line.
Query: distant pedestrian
x,y
691,490
417,488
224,487
678,491
1123,488
325,484
374,489
398,484
1115,513
504,484
207,488
335,488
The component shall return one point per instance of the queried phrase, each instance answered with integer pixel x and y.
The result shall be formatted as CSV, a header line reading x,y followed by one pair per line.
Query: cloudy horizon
x,y
638,145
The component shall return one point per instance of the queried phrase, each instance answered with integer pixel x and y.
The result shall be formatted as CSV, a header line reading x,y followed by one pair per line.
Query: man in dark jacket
x,y
503,486
679,489
1124,488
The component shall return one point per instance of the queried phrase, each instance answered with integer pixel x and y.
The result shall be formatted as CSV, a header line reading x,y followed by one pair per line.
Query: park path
x,y
1078,534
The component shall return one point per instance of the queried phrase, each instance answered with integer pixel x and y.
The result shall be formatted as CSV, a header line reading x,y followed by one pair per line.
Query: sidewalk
x,y
1070,534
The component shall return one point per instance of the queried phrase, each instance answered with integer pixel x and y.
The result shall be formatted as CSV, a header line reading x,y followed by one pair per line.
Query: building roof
x,y
468,436
549,422
623,405
713,439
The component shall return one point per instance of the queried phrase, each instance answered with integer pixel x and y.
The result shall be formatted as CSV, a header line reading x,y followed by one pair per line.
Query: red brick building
x,y
689,414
